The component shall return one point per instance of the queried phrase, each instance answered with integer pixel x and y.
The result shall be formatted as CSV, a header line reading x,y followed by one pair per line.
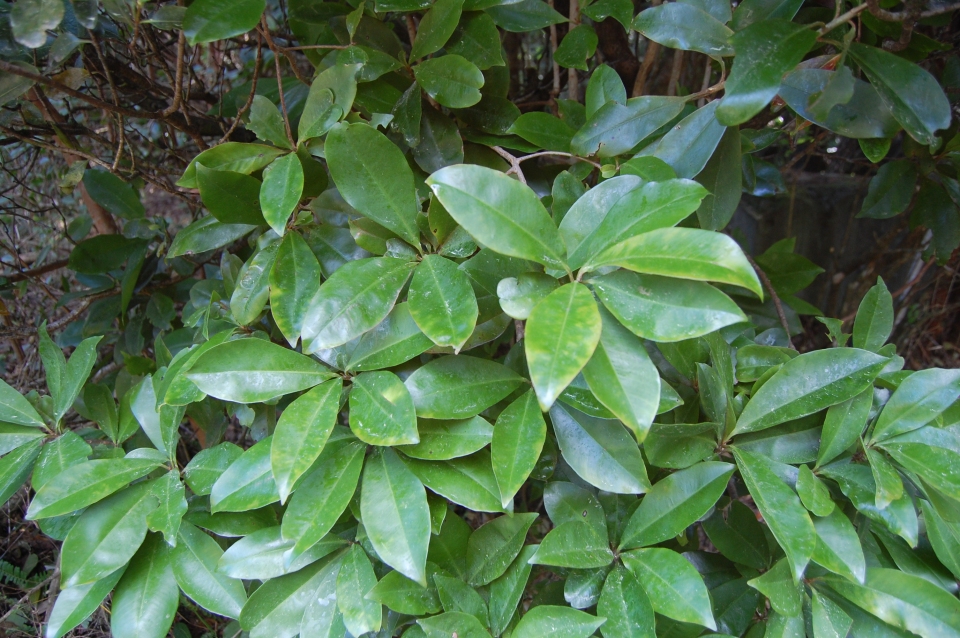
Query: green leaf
x,y
265,554
106,536
86,483
302,433
115,195
494,546
323,495
665,309
591,208
838,546
686,253
230,156
544,130
15,468
395,340
686,27
322,618
451,80
354,582
600,451
372,176
574,544
616,128
357,297
874,321
16,409
233,198
405,596
676,502
209,20
248,483
904,601
207,466
499,212
294,280
810,383
579,45
675,588
206,234
722,176
435,28
765,52
843,425
281,191
813,493
518,439
777,584
467,481
478,40
252,290
331,97
561,334
943,536
889,483
458,387
918,400
929,451
828,618
780,508
31,20
518,296
916,99
457,596
195,569
103,253
890,191
506,591
452,622
267,122
254,370
14,436
445,440
381,410
76,604
688,146
626,606
526,15
171,495
857,484
396,516
604,86
558,622
147,596
442,302
740,537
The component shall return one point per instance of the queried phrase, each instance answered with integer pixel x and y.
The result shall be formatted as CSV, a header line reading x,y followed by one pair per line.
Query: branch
x,y
34,272
776,300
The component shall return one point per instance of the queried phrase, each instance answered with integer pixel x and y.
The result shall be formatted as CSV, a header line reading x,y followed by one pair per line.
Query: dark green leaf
x,y
675,588
451,80
209,20
684,26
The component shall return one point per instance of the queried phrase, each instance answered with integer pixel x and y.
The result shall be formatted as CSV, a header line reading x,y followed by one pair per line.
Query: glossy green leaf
x,y
843,425
518,439
813,493
674,587
301,433
506,591
600,451
781,509
452,622
930,451
323,495
686,27
518,296
577,46
86,483
294,280
890,191
207,233
265,554
435,28
405,596
920,398
604,86
526,15
76,604
118,197
231,197
207,466
445,440
172,506
810,383
393,341
914,96
544,130
14,408
394,508
722,177
451,80
617,128
777,584
195,569
382,410
499,212
889,483
765,51
552,620
740,536
356,298
267,122
230,156
626,606
252,289
209,20
478,40
874,321
561,334
281,191
354,582
574,544
458,387
494,546
372,176
665,309
252,370
688,146
442,302
457,596
331,97
676,502
15,468
147,596
838,547
467,481
828,618
248,483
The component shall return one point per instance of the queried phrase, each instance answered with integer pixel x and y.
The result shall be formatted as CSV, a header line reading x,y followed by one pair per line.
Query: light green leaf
x,y
506,591
627,608
518,439
494,546
252,289
206,467
843,425
604,86
253,370
518,296
777,584
458,387
330,98
442,302
354,582
15,468
557,622
810,383
393,341
920,398
294,281
230,156
813,493
301,434
265,554
561,334
16,409
467,481
722,176
838,546
267,122
281,191
381,410
76,604
499,212
31,20
780,508
574,544
676,502
675,588
874,321
248,483
577,46
452,622
147,596
405,596
171,495
616,128
207,233
445,440
195,569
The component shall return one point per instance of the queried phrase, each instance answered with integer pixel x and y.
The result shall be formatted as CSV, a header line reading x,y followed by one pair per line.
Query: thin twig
x,y
846,17
555,91
283,100
178,80
27,595
776,299
253,92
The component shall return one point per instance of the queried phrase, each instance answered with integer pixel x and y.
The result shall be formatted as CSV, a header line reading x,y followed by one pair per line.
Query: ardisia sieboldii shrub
x,y
463,400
